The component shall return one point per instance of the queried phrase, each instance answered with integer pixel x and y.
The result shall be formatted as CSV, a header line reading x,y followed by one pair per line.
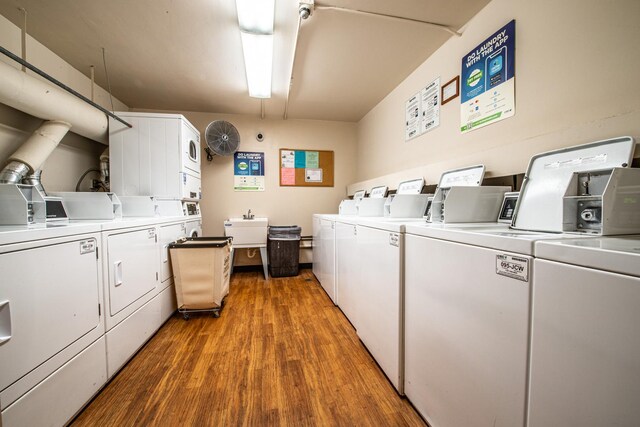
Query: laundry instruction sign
x,y
248,171
422,111
487,80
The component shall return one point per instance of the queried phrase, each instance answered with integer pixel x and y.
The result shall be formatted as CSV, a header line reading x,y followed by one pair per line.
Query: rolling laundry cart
x,y
201,267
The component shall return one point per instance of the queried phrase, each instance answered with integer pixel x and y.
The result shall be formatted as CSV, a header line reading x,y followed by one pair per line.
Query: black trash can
x,y
283,246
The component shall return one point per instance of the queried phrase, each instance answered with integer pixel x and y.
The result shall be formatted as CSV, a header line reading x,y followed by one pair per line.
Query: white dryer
x,y
194,227
585,369
52,348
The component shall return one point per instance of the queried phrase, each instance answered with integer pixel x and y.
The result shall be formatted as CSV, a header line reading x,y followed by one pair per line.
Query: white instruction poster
x,y
412,117
430,106
422,111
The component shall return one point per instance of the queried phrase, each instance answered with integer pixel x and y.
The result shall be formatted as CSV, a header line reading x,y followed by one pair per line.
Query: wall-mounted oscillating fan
x,y
222,139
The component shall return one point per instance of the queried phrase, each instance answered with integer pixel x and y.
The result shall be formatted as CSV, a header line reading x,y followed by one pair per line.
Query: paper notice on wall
x,y
288,159
287,176
313,175
430,106
313,159
301,160
412,117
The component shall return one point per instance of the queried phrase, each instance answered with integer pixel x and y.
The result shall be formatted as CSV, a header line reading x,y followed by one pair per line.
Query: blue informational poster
x,y
248,171
487,80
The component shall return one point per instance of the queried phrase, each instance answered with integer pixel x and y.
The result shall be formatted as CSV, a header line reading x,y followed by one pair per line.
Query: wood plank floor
x,y
281,354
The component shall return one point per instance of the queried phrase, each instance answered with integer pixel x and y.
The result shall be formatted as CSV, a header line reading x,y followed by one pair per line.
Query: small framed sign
x,y
450,90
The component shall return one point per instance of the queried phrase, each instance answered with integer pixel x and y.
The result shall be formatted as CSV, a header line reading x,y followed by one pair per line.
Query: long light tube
x,y
256,20
258,61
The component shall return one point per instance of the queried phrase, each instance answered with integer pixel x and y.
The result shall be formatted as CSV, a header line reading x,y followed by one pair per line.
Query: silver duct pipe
x,y
30,156
35,179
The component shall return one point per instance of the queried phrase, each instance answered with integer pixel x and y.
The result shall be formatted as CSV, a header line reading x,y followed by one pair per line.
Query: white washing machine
x,y
466,323
379,294
585,369
467,298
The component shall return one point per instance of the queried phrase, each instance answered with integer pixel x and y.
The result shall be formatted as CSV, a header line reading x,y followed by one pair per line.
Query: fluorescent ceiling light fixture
x,y
258,61
256,16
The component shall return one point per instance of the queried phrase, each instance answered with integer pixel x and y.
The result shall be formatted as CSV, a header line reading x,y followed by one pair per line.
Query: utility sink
x,y
247,232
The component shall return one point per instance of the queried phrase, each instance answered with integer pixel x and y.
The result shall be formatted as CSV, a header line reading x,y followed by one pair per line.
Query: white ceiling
x,y
185,55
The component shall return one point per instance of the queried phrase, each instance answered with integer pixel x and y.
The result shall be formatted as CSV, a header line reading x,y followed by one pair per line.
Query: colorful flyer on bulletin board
x,y
288,159
248,171
306,168
487,81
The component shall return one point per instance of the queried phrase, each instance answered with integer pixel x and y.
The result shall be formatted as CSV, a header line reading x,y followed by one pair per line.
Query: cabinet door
x,y
49,298
132,267
168,234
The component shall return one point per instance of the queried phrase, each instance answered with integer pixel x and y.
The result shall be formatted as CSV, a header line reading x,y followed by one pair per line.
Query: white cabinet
x,y
50,311
158,156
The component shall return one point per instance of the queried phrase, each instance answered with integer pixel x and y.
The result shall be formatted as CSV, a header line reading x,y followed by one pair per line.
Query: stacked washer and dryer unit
x,y
530,325
62,335
156,161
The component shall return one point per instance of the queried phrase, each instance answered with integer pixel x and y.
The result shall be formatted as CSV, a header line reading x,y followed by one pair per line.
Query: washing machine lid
x,y
539,206
487,235
615,254
469,176
394,225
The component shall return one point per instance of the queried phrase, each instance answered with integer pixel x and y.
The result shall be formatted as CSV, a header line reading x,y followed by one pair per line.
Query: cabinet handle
x,y
5,321
165,254
117,273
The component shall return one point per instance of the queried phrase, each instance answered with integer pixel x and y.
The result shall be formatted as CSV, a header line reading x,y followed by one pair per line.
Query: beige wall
x,y
576,81
75,154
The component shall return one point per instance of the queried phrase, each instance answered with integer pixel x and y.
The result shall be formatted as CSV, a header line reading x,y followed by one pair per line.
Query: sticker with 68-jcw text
x,y
512,266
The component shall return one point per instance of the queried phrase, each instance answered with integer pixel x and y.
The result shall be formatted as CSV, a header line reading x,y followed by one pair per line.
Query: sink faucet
x,y
248,215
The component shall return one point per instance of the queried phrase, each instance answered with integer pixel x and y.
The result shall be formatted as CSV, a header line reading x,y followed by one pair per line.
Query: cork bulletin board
x,y
306,168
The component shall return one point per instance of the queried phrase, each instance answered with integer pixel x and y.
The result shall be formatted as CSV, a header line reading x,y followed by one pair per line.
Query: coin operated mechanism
x,y
374,204
191,208
603,202
508,208
409,201
350,206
